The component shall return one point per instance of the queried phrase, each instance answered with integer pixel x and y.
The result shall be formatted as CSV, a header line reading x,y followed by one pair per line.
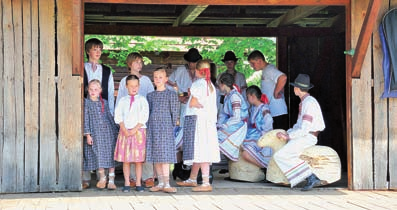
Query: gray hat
x,y
192,55
302,81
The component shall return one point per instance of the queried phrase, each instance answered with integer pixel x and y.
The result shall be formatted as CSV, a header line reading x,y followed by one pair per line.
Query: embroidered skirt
x,y
230,140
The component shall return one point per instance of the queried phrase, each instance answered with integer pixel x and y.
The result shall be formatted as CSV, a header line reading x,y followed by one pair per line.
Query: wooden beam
x,y
330,22
78,37
189,15
158,30
365,36
295,15
224,2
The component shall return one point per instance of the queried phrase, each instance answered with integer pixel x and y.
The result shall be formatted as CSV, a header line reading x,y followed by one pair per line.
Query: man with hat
x,y
181,80
272,84
230,61
301,136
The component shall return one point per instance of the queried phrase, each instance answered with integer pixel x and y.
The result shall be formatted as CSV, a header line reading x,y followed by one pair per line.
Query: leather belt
x,y
314,133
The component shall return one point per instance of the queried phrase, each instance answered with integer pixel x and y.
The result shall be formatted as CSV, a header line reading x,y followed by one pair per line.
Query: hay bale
x,y
323,160
245,171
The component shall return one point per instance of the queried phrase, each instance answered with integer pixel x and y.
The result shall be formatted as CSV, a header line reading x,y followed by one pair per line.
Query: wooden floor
x,y
226,195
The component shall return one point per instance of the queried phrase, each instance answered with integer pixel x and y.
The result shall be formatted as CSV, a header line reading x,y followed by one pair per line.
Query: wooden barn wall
x,y
323,60
40,108
373,128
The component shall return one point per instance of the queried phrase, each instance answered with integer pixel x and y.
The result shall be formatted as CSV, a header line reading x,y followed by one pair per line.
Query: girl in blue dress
x,y
260,121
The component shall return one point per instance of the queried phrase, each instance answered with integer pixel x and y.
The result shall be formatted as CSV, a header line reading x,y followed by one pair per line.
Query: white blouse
x,y
145,87
138,113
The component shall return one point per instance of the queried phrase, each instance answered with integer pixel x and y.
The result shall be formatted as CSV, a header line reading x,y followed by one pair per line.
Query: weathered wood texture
x,y
40,120
9,172
361,109
69,98
1,93
31,80
393,132
380,109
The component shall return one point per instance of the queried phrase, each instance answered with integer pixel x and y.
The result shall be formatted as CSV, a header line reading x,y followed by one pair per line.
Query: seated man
x,y
301,136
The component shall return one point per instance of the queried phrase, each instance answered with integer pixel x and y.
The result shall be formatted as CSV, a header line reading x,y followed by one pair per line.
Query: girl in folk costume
x,y
301,136
260,122
101,133
131,114
232,126
134,62
200,145
163,117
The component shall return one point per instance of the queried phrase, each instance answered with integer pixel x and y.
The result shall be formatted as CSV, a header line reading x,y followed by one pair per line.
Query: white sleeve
x,y
118,114
143,111
111,93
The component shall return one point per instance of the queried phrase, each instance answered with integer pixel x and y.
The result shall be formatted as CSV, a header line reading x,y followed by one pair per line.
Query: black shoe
x,y
312,181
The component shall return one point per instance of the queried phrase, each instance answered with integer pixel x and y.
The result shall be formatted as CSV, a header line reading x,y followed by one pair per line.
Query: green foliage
x,y
212,48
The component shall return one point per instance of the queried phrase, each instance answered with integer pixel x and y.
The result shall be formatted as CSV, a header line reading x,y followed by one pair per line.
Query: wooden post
x,y
69,103
48,138
393,132
380,109
2,67
361,109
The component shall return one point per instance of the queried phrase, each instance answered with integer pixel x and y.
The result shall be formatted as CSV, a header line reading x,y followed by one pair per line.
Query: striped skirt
x,y
131,149
231,138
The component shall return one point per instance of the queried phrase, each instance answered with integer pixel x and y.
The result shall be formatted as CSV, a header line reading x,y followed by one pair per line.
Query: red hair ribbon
x,y
207,73
102,102
237,88
264,99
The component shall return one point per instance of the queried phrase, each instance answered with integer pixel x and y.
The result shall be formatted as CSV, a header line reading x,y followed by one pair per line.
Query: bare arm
x,y
195,103
280,86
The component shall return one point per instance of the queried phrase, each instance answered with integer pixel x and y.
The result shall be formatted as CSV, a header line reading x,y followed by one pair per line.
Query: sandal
x,y
126,189
86,185
187,183
101,184
148,182
156,188
111,185
169,189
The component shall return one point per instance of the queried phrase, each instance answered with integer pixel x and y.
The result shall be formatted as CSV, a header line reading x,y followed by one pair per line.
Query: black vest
x,y
104,83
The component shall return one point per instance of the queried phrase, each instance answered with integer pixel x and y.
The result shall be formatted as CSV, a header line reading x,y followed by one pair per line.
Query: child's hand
x,y
89,140
132,132
125,132
282,136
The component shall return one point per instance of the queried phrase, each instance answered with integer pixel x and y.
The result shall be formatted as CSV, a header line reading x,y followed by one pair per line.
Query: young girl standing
x,y
101,133
260,122
163,117
131,114
200,145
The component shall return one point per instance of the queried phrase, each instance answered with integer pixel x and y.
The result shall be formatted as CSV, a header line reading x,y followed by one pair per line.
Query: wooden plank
x,y
78,37
19,95
393,132
380,109
69,98
227,31
31,77
189,15
48,138
361,111
365,36
294,15
2,69
224,2
9,175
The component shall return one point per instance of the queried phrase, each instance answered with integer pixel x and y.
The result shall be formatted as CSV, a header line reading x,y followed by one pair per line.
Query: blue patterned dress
x,y
163,114
232,124
103,131
260,122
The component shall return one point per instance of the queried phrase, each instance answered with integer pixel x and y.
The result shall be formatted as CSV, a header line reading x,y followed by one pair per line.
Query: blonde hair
x,y
205,64
96,82
133,57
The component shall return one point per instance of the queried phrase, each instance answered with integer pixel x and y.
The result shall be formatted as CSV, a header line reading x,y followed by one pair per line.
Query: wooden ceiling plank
x,y
223,31
189,15
226,2
365,36
330,22
295,15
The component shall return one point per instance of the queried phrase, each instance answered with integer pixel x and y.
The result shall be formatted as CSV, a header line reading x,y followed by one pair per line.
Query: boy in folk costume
x,y
301,136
